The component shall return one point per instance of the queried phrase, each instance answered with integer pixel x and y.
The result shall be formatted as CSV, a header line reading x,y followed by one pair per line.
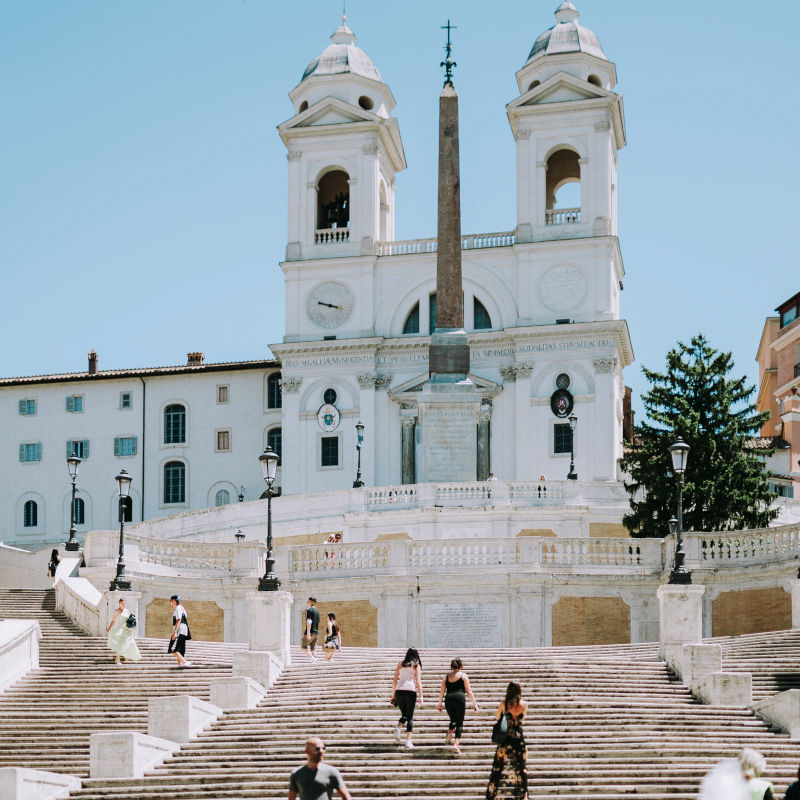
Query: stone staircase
x,y
604,722
46,718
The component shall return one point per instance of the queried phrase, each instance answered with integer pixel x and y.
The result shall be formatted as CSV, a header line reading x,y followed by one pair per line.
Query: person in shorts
x,y
180,632
311,628
315,780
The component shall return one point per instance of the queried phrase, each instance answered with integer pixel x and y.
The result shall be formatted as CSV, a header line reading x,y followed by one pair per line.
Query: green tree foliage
x,y
726,485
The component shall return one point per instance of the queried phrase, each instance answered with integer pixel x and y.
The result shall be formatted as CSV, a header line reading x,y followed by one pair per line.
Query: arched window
x,y
80,511
333,200
175,482
174,424
222,498
481,319
563,188
125,511
274,395
411,324
275,441
30,514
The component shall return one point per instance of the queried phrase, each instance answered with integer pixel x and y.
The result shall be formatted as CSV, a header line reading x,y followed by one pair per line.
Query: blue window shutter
x,y
23,406
116,446
70,448
86,448
70,403
134,442
22,452
39,451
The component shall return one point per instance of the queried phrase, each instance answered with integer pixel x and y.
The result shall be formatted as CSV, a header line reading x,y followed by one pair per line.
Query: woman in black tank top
x,y
454,692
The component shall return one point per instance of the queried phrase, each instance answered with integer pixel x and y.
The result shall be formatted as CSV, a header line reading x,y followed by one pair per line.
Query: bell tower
x,y
344,150
568,125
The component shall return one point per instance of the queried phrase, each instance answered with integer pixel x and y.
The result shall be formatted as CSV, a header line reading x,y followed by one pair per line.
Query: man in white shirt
x,y
180,632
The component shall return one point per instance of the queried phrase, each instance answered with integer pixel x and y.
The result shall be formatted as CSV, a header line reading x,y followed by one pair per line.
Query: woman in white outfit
x,y
120,636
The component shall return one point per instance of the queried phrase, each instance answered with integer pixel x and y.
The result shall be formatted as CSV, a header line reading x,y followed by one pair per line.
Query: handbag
x,y
188,632
131,621
500,730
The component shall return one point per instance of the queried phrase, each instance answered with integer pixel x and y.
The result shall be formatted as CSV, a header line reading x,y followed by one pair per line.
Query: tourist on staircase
x,y
793,791
315,780
407,692
333,637
311,629
180,632
753,766
509,776
455,690
120,635
52,564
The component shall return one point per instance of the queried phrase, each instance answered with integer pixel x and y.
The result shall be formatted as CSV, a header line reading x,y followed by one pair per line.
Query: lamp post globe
x,y
120,582
679,454
573,423
72,544
269,467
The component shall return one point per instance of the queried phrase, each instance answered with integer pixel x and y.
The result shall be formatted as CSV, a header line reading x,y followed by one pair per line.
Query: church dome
x,y
342,56
567,36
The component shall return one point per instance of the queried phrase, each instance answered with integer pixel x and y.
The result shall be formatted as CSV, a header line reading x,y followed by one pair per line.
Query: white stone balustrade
x,y
472,241
562,216
331,235
19,649
763,546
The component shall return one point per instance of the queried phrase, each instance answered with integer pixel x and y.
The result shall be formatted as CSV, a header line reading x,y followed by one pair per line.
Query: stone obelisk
x,y
448,403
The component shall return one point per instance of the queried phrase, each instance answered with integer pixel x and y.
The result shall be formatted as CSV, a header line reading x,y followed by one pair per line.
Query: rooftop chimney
x,y
195,359
93,363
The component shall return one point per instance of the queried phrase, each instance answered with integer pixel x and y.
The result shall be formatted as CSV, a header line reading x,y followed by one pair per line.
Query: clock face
x,y
329,304
328,417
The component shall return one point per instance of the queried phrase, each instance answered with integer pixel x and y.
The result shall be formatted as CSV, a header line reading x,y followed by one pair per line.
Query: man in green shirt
x,y
315,780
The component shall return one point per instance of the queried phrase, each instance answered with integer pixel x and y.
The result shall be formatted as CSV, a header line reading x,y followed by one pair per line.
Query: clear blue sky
x,y
143,183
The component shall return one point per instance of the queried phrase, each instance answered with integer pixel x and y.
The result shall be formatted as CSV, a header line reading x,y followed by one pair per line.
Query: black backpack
x,y
131,621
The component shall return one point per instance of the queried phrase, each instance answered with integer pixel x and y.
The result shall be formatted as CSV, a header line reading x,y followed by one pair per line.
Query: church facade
x,y
541,301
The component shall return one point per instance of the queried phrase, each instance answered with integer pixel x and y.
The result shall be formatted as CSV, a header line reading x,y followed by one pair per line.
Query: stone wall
x,y
358,620
206,619
591,620
751,611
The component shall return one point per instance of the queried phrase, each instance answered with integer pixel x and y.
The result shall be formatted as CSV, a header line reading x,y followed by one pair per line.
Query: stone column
x,y
484,440
680,616
408,419
604,467
290,421
524,445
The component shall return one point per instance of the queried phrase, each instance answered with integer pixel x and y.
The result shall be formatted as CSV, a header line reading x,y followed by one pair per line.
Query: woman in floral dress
x,y
509,778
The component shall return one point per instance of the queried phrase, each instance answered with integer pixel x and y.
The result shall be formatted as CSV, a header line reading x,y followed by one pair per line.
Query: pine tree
x,y
726,484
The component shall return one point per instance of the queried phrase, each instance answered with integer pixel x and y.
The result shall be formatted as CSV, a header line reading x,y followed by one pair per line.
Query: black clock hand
x,y
329,305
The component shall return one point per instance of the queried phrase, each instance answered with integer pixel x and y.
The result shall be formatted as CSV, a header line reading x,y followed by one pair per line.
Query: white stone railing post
x,y
270,625
680,616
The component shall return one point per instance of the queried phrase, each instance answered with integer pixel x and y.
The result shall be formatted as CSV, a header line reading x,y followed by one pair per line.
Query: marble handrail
x,y
471,241
562,216
331,235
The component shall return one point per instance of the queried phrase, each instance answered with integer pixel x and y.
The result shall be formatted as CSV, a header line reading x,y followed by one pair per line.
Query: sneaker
x,y
409,744
313,659
187,663
457,747
399,731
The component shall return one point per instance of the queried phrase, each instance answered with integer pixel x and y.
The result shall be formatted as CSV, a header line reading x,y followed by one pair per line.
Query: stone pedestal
x,y
179,718
795,589
18,783
126,754
698,661
270,624
236,692
680,616
782,710
448,414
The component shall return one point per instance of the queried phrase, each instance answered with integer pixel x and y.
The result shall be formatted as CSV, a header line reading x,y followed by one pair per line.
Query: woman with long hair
x,y
407,692
454,692
509,776
333,637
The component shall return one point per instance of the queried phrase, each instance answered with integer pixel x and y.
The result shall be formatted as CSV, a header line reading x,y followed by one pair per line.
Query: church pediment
x,y
330,111
407,392
561,88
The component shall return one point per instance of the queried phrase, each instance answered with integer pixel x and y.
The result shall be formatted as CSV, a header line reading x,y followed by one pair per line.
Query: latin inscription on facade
x,y
459,625
450,442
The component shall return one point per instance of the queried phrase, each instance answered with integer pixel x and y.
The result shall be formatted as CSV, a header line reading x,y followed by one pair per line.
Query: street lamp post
x,y
239,536
573,422
120,582
679,452
269,465
358,483
73,462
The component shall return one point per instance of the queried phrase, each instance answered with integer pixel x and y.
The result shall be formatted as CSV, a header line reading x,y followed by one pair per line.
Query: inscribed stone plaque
x,y
459,625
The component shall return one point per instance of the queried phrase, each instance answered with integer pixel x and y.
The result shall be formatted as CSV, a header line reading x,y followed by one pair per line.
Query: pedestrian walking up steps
x,y
604,722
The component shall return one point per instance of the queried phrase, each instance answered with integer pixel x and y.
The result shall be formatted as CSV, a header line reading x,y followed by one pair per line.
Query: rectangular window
x,y
30,451
223,441
330,451
562,438
27,407
75,403
125,445
78,447
788,315
126,400
222,394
